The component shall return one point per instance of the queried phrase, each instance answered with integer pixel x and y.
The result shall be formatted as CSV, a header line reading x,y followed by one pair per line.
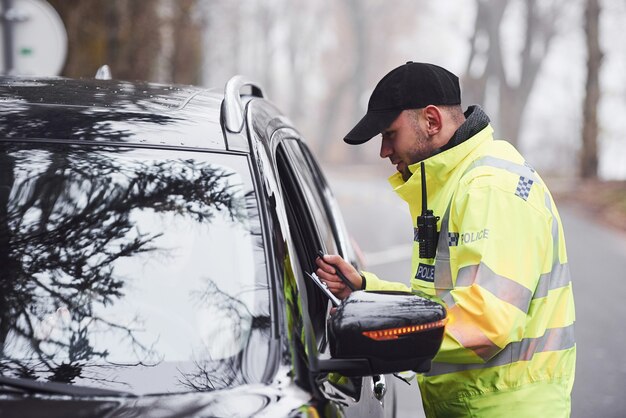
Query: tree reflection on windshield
x,y
65,219
214,370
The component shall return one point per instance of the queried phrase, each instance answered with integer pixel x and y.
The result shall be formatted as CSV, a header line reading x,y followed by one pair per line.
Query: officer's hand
x,y
327,273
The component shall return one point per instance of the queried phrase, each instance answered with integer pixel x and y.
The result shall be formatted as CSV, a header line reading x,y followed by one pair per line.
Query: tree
x,y
352,84
278,44
486,66
589,151
362,52
134,38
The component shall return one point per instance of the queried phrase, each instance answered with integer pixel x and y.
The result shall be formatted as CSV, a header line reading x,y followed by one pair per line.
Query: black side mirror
x,y
377,332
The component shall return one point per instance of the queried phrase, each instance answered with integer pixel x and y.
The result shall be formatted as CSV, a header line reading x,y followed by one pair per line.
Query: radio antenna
x,y
424,204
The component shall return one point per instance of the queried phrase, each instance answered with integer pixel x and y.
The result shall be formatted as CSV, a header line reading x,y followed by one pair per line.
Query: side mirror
x,y
378,332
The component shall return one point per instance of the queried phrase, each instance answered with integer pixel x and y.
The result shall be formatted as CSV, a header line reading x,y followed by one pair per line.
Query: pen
x,y
338,272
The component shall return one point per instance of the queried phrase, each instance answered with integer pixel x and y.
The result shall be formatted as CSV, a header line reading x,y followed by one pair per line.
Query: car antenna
x,y
103,73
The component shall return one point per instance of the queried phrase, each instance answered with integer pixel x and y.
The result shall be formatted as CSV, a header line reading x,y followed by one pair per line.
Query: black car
x,y
156,245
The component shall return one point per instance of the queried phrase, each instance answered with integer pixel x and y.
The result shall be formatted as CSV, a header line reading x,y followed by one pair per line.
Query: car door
x,y
315,223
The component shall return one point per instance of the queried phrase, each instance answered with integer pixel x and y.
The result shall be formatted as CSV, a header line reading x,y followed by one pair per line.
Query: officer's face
x,y
406,142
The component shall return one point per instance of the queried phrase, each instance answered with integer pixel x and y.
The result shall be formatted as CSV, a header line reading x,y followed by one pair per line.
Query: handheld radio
x,y
427,235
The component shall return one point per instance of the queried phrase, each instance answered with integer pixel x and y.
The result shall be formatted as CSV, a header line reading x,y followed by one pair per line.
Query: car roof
x,y
107,111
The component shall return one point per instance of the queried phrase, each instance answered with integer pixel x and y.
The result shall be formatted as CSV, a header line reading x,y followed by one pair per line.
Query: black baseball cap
x,y
413,85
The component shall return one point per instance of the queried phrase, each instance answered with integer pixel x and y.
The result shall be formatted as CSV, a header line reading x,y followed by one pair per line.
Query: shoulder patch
x,y
523,187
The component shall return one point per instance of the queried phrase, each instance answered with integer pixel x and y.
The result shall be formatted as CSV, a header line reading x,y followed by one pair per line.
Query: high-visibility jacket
x,y
501,268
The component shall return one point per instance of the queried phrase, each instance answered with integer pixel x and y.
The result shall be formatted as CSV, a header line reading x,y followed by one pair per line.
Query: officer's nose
x,y
385,149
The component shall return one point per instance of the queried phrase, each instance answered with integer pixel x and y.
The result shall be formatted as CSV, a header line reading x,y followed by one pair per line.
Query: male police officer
x,y
500,264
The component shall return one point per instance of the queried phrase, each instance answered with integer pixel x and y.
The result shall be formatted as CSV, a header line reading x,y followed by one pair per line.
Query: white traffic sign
x,y
37,36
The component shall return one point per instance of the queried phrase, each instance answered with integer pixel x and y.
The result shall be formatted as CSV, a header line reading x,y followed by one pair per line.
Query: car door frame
x,y
355,394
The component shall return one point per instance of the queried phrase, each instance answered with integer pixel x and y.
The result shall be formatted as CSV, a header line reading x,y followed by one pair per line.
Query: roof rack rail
x,y
232,107
103,73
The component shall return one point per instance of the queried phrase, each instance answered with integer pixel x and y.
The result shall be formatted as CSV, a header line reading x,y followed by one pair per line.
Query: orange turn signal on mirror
x,y
394,333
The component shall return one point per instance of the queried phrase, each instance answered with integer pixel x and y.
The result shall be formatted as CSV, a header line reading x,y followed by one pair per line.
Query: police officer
x,y
500,263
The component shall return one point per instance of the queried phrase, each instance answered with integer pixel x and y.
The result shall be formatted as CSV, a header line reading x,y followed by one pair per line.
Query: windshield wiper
x,y
55,388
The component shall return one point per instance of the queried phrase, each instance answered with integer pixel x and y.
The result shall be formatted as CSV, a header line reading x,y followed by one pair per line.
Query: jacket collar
x,y
439,167
475,121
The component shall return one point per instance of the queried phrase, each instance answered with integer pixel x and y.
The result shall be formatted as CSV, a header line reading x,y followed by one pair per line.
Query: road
x,y
597,257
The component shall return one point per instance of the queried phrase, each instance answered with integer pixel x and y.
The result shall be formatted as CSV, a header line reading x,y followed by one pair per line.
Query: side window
x,y
315,225
309,179
305,234
314,218
333,213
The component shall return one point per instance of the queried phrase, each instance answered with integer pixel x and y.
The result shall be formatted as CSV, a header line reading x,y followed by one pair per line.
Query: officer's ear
x,y
434,119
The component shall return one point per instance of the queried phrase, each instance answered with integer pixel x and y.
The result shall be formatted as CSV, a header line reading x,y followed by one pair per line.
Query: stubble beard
x,y
420,152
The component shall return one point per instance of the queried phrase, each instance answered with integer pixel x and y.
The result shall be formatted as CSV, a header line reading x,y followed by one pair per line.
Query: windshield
x,y
130,269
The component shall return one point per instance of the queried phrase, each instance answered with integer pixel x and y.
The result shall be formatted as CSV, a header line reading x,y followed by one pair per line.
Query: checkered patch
x,y
453,239
523,187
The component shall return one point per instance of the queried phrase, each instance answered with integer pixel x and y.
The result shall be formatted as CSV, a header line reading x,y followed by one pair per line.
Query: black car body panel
x,y
279,399
110,111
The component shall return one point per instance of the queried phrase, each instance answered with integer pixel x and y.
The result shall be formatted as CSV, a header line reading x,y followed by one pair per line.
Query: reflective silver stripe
x,y
443,272
443,248
520,170
558,277
447,298
501,287
554,339
529,166
555,231
560,274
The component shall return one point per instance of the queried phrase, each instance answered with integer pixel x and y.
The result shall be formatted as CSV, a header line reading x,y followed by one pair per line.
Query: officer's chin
x,y
406,174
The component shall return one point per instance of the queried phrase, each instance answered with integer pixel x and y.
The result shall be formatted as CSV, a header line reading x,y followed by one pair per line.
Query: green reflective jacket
x,y
501,268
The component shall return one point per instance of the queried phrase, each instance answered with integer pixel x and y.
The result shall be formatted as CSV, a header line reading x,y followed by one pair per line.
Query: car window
x,y
131,268
317,181
304,232
314,219
316,202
